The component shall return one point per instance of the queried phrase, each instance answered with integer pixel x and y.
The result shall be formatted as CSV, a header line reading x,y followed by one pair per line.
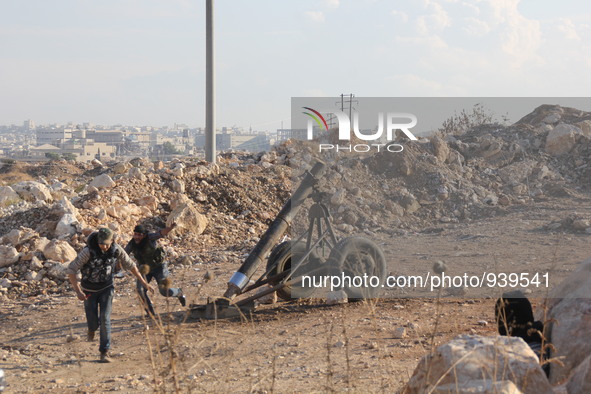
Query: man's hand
x,y
76,286
81,296
168,229
135,272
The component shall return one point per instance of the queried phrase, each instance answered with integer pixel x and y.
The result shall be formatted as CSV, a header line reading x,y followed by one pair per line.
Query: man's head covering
x,y
104,235
140,228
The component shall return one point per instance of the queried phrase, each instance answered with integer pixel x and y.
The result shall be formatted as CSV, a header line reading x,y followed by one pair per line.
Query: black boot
x,y
182,298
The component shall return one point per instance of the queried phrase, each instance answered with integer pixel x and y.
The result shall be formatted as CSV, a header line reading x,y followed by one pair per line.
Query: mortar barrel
x,y
275,231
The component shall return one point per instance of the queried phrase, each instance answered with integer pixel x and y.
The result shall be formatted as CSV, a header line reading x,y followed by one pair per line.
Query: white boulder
x,y
60,251
8,195
469,358
103,181
33,191
8,255
187,219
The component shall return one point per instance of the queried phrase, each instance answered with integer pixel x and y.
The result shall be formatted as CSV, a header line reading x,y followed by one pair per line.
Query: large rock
x,y
440,148
410,203
561,139
102,181
33,191
188,220
58,186
128,210
478,387
8,255
569,315
580,380
8,195
18,236
123,211
469,358
67,226
178,171
112,211
58,271
517,172
120,168
149,202
59,250
65,206
39,244
179,200
490,148
585,127
135,172
338,197
178,186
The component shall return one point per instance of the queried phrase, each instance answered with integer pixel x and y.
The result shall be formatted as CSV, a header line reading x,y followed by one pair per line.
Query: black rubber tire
x,y
358,256
281,255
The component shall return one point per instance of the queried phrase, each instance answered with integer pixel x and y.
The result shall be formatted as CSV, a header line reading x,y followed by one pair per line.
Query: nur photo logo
x,y
387,126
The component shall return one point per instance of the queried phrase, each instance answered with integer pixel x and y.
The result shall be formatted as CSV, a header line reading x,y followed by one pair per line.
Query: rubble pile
x,y
47,210
219,209
476,174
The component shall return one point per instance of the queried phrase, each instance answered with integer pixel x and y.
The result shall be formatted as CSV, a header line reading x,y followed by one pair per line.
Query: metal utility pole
x,y
350,101
209,85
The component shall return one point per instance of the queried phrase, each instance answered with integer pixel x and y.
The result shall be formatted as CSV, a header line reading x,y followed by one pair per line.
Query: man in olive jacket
x,y
152,261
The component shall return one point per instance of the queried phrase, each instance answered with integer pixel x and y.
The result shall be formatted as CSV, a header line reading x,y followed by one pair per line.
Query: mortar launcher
x,y
316,252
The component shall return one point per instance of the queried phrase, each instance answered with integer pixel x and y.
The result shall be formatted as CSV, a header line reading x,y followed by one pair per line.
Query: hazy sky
x,y
142,62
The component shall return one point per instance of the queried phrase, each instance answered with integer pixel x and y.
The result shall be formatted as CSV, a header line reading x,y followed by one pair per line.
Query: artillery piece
x,y
316,253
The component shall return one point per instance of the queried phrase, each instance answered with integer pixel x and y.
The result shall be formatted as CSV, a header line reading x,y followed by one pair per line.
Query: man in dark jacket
x,y
97,263
152,261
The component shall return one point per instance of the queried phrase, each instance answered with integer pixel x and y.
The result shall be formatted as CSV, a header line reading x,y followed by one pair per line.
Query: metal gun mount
x,y
320,253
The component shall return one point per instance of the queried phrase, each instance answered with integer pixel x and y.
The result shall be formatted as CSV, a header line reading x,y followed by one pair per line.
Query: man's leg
x,y
92,318
161,275
144,295
106,303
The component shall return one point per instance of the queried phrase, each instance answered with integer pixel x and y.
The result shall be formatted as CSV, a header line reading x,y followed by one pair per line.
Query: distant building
x,y
53,135
112,137
296,134
222,141
87,149
82,149
39,152
28,125
251,142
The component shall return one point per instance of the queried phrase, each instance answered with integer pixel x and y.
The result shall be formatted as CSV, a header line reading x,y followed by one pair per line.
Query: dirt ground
x,y
303,346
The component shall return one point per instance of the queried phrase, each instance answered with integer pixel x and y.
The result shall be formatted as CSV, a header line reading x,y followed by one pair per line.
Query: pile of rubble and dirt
x,y
479,173
221,209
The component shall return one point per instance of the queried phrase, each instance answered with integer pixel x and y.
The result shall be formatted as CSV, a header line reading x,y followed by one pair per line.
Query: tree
x,y
69,156
169,149
52,156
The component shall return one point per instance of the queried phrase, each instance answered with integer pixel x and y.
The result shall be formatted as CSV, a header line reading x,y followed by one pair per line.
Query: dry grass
x,y
167,365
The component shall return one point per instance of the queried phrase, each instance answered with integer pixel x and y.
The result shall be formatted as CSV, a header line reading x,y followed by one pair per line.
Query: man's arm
x,y
125,261
76,286
164,232
135,272
128,247
73,268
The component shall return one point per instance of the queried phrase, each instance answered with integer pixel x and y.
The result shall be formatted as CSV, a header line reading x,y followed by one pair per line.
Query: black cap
x,y
140,228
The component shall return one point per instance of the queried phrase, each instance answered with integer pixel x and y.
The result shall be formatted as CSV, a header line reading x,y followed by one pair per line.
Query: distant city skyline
x,y
142,63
